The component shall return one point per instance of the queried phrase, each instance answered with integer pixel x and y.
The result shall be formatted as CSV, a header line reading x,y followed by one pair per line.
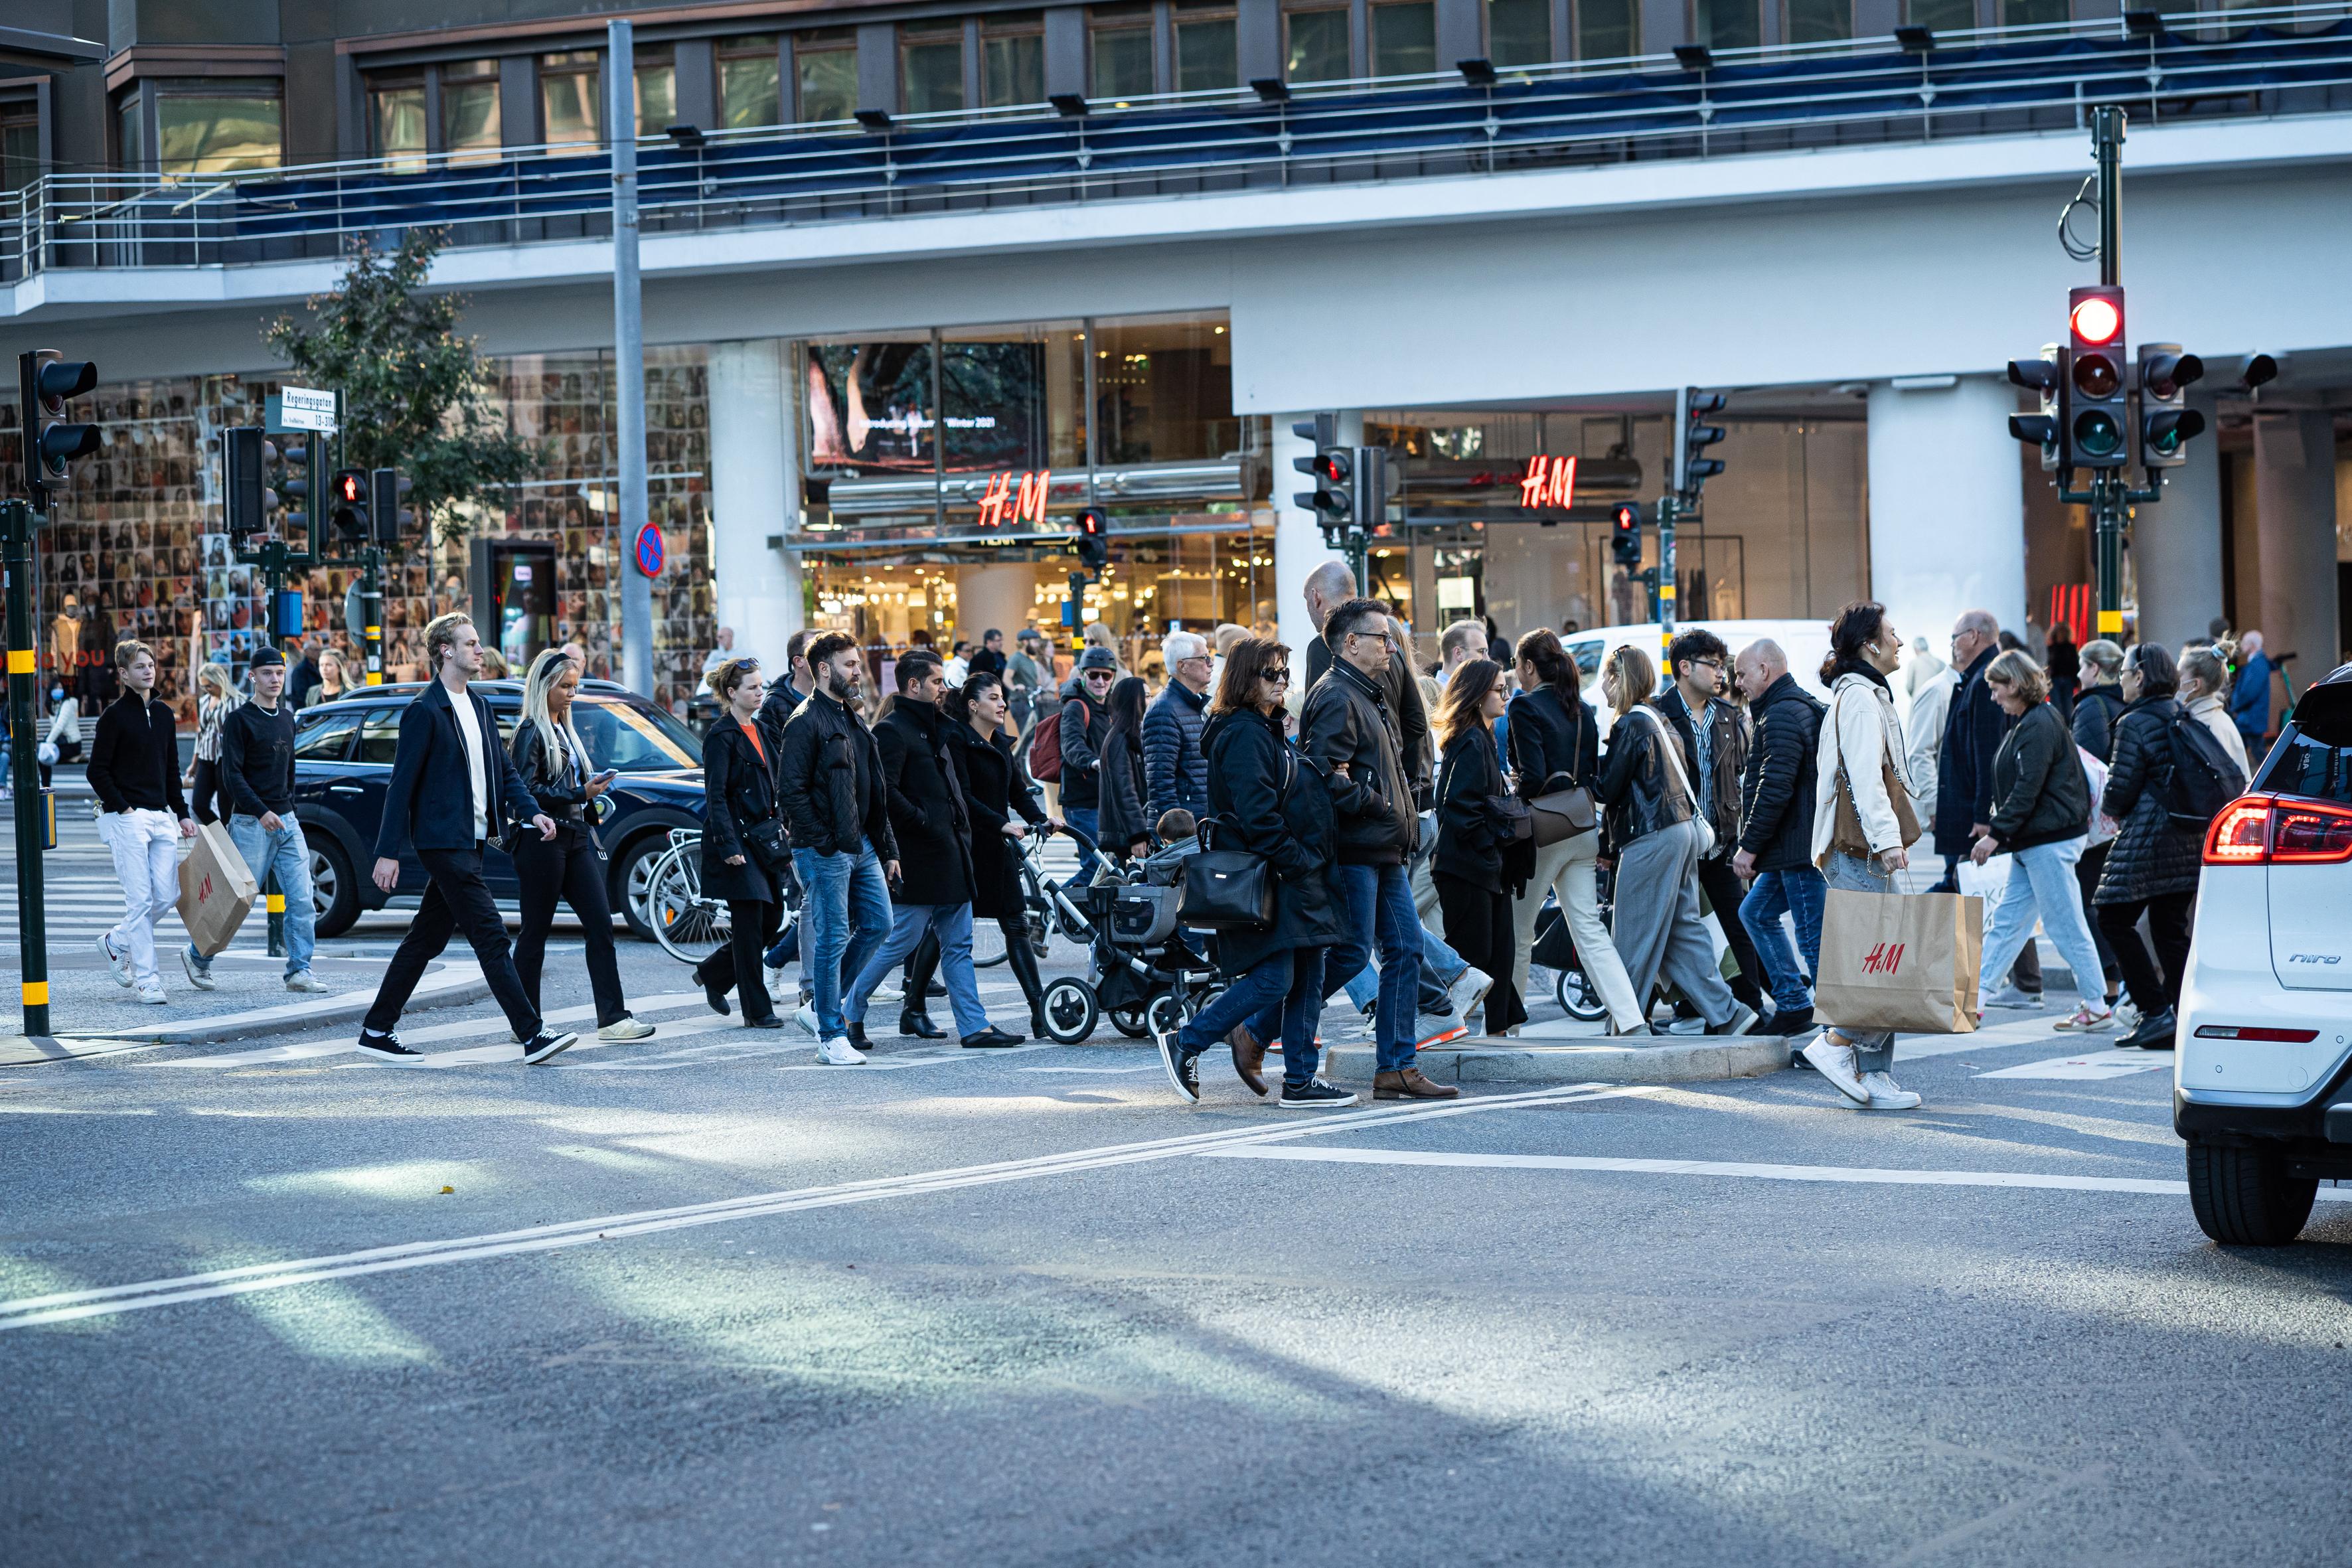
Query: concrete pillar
x,y
2294,505
2175,544
1298,547
755,496
1002,595
1947,505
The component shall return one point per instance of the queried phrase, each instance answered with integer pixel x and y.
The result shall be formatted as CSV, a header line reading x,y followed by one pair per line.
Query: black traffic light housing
x,y
387,488
2166,423
46,381
286,490
2047,429
347,506
244,491
1693,467
2098,391
1093,538
1625,536
1333,468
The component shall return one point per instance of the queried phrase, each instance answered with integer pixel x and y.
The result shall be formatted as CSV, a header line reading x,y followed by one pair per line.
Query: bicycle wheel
x,y
987,942
689,927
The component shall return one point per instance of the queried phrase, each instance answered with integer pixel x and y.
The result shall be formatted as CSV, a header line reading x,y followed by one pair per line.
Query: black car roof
x,y
508,687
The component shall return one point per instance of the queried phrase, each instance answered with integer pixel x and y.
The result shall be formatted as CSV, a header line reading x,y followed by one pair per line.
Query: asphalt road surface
x,y
699,1299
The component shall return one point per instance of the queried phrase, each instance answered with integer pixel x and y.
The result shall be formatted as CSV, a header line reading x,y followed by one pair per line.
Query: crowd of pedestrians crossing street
x,y
1694,813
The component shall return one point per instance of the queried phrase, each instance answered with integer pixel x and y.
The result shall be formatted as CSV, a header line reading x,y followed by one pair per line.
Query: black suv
x,y
342,761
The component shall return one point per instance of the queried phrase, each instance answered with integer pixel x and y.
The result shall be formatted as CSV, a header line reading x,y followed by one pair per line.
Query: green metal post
x,y
2107,490
273,569
1669,509
32,929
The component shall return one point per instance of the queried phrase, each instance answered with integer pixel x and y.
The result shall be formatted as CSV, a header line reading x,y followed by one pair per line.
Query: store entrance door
x,y
514,598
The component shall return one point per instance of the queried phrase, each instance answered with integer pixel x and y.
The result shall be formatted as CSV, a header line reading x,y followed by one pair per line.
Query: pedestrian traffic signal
x,y
1693,467
243,492
46,379
286,491
2167,424
1625,536
1333,468
2047,429
2098,400
2256,370
387,488
1093,538
347,507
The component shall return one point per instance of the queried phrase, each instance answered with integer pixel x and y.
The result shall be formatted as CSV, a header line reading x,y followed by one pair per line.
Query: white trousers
x,y
1567,866
145,845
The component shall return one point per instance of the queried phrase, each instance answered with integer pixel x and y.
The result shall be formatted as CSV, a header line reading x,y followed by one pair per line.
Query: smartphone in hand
x,y
607,776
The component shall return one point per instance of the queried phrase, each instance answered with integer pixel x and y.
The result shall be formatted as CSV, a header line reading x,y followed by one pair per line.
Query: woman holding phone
x,y
552,759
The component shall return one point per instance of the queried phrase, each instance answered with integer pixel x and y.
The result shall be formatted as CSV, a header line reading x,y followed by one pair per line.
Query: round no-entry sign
x,y
651,552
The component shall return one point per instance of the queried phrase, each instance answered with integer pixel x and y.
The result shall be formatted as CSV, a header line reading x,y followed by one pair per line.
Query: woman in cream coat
x,y
1859,738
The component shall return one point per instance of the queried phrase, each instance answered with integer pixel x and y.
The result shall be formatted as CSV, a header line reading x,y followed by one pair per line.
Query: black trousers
x,y
1721,885
1479,927
2167,920
756,923
456,900
201,802
2086,873
567,867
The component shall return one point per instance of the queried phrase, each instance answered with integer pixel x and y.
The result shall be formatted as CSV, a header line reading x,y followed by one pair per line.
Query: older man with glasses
x,y
1175,773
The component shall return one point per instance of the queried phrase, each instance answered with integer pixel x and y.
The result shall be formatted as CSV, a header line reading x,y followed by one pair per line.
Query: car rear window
x,y
2314,756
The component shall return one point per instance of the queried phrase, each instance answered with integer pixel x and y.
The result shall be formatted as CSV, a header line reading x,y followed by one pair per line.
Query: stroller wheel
x,y
1130,1021
1164,1012
1578,998
1070,1009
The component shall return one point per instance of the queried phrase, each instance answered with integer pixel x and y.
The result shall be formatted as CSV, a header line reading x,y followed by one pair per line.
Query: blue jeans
x,y
953,924
847,912
1088,821
2041,881
787,948
1774,894
1380,900
1290,979
1440,967
283,851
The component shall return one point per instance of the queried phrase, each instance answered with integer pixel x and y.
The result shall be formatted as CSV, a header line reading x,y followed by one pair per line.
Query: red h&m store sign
x,y
1015,498
1548,482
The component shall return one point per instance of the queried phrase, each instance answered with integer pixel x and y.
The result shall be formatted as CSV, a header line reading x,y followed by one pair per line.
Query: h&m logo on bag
x,y
1884,959
204,890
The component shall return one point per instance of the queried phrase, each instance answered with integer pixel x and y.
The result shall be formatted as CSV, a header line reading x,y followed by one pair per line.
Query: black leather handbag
x,y
1229,889
765,843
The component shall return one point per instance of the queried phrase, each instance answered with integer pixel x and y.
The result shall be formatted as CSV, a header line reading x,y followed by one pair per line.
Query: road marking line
x,y
1855,1174
2117,1063
111,1299
1104,1071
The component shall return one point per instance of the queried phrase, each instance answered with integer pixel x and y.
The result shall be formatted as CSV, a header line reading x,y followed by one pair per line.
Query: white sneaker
x,y
1834,1062
1885,1094
152,996
838,1052
305,981
2126,1014
805,1021
1432,1030
1469,990
115,961
199,977
2087,1019
776,990
625,1029
2008,996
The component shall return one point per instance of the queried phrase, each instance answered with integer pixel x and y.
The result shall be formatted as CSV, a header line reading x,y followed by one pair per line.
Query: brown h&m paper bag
x,y
1906,962
216,890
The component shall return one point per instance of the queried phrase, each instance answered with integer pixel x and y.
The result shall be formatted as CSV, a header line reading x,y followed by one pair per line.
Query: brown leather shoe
x,y
1249,1058
1409,1085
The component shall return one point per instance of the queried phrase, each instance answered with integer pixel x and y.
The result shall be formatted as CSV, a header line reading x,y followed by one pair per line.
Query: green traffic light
x,y
2097,434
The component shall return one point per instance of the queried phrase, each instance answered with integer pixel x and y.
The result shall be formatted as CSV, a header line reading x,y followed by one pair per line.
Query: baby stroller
x,y
1138,970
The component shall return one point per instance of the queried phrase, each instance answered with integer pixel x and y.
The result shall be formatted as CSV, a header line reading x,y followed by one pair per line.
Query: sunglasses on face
x,y
1276,678
1098,675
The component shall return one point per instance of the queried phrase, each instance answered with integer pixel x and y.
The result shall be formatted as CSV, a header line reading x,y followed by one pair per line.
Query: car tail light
x,y
2259,829
2244,1032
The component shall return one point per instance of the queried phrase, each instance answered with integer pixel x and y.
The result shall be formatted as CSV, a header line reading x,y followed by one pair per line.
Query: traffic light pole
x,y
33,937
372,611
1669,509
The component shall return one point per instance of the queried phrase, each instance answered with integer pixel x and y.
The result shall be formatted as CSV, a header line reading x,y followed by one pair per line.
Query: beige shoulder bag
x,y
1846,835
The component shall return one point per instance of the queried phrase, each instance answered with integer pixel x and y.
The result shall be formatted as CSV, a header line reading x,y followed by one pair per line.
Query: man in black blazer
x,y
453,789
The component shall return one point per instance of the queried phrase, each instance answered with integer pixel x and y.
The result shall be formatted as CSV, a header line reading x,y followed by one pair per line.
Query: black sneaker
x,y
1183,1071
1790,1021
545,1043
2153,1035
387,1048
1315,1095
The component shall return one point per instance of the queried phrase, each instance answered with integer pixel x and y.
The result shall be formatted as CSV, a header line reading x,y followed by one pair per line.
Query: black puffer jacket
x,y
1638,788
2096,709
1777,791
2150,856
2040,794
927,808
1268,799
1346,723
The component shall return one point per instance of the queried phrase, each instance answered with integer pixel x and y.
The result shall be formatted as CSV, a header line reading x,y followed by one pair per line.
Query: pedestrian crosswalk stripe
x,y
2117,1063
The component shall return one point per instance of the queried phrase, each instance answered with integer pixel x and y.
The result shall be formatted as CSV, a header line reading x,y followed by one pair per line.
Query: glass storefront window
x,y
1735,23
1820,21
1605,29
217,133
1118,37
656,95
750,83
1206,56
1404,40
930,67
825,75
1519,32
569,85
396,124
870,404
1315,46
470,127
1163,391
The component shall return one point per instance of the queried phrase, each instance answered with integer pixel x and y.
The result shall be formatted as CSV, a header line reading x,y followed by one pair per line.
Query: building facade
x,y
921,280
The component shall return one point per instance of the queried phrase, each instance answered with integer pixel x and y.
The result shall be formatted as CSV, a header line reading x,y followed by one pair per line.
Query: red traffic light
x,y
1092,523
2097,319
350,487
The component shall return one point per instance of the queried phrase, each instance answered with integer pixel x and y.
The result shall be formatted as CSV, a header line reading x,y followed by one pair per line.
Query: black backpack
x,y
2205,778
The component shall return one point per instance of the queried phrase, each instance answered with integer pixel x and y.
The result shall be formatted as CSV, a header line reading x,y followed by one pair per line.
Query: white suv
x,y
2263,1075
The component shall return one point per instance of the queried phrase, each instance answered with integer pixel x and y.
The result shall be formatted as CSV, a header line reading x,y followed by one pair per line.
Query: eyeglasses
x,y
1276,678
1714,663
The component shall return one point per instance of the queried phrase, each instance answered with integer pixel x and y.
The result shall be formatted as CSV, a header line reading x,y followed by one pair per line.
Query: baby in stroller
x,y
1140,966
